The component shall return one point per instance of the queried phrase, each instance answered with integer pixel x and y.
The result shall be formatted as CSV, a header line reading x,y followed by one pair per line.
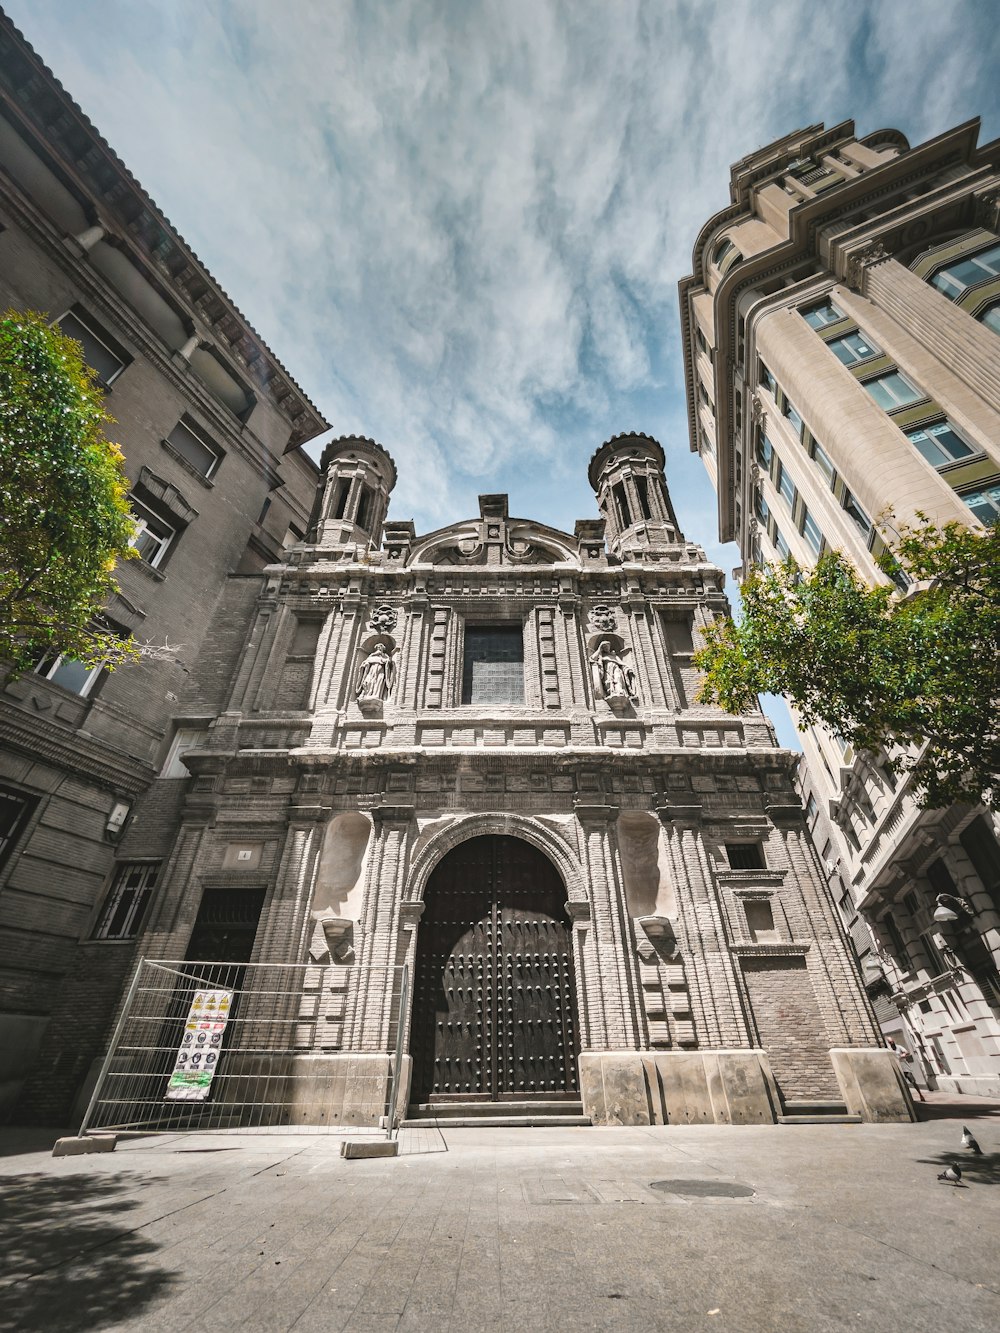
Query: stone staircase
x,y
817,1113
533,1113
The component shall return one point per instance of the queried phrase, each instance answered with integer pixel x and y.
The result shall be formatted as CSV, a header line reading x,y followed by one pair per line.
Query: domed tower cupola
x,y
627,476
358,475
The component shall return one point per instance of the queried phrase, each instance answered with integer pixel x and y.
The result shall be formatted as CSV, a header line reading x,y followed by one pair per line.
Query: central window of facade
x,y
493,667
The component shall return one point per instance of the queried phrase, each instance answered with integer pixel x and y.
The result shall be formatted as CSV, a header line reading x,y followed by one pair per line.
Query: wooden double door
x,y
494,1006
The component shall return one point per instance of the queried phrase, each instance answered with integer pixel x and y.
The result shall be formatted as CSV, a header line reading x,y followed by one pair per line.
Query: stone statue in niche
x,y
614,681
376,675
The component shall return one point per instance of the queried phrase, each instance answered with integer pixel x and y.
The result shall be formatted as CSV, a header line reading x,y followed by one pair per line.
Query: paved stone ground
x,y
846,1228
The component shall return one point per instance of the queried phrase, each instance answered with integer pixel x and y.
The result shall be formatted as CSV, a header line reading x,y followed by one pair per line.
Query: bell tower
x,y
358,475
627,476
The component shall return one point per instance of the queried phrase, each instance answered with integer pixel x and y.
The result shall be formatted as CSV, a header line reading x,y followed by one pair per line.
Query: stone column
x,y
716,993
378,942
610,971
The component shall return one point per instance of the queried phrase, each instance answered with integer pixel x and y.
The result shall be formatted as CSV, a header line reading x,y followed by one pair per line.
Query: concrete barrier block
x,y
354,1148
78,1145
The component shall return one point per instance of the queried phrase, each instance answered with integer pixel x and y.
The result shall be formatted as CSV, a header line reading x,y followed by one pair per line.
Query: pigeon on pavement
x,y
968,1141
952,1174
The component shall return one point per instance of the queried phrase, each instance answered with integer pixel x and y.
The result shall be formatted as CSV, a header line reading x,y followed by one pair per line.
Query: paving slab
x,y
805,1228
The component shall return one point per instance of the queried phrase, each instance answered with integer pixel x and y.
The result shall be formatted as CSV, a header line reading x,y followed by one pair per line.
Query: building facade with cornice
x,y
211,427
479,752
841,332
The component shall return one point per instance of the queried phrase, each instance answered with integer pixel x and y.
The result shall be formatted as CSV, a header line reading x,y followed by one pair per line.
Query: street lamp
x,y
949,908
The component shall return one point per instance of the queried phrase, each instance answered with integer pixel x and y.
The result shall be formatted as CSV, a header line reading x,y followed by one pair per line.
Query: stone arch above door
x,y
558,850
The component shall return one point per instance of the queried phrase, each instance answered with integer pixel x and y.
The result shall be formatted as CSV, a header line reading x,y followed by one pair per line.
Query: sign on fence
x,y
201,1046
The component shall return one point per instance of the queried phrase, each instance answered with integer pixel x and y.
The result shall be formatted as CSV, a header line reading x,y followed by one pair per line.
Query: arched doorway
x,y
494,1007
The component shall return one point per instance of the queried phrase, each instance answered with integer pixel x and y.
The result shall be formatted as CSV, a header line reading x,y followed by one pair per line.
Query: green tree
x,y
919,671
65,515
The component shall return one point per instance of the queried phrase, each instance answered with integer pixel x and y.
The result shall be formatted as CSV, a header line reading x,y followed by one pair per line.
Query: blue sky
x,y
461,225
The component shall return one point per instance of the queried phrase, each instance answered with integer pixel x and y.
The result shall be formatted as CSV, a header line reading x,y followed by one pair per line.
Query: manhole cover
x,y
704,1189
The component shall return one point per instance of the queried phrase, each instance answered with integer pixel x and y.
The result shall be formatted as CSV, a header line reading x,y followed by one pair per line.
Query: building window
x,y
822,315
896,941
786,487
493,668
990,316
15,810
100,351
892,390
823,462
68,673
642,490
185,738
765,452
194,449
701,340
745,856
790,414
985,504
939,443
725,250
811,532
621,501
781,545
980,845
760,506
957,277
126,903
812,810
861,520
152,536
768,380
852,348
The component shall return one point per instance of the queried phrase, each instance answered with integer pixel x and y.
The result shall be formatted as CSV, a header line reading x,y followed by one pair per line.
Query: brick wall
x,y
791,1030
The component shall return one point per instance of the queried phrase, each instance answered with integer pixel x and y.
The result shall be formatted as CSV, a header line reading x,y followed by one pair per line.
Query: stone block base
x,y
678,1088
77,1146
356,1148
344,1089
871,1084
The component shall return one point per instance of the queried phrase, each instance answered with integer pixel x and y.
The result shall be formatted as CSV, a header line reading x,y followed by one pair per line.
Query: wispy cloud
x,y
461,225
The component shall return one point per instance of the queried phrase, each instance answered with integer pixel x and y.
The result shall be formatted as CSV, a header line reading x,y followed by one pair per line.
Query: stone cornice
x,y
42,741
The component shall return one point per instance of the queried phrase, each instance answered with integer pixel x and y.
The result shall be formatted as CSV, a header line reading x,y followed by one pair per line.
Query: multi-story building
x,y
478,751
211,427
841,333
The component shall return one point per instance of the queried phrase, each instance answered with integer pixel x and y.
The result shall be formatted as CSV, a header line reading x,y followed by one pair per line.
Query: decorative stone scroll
x,y
602,618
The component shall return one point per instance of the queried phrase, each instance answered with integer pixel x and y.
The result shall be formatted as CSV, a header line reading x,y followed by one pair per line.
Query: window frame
x,y
784,476
135,914
896,406
48,666
142,526
989,275
991,492
856,358
29,804
947,461
807,311
467,676
185,423
99,335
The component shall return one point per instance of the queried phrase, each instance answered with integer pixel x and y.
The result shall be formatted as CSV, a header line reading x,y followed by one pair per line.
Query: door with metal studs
x,y
494,1005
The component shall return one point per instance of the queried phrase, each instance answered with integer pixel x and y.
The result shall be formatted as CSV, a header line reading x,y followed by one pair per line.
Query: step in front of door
x,y
506,1114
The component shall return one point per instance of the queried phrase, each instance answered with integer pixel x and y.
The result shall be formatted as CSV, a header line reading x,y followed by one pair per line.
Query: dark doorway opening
x,y
494,1010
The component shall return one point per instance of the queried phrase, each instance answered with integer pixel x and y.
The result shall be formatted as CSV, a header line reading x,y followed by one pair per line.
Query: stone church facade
x,y
479,752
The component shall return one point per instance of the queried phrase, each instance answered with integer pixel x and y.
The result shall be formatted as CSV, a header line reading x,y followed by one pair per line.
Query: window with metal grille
x,y
745,856
15,811
127,901
493,668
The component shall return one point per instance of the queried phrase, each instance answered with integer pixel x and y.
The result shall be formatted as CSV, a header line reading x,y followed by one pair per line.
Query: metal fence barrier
x,y
254,1047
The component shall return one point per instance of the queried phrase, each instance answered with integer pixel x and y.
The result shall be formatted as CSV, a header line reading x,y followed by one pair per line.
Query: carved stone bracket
x,y
757,414
862,260
988,210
